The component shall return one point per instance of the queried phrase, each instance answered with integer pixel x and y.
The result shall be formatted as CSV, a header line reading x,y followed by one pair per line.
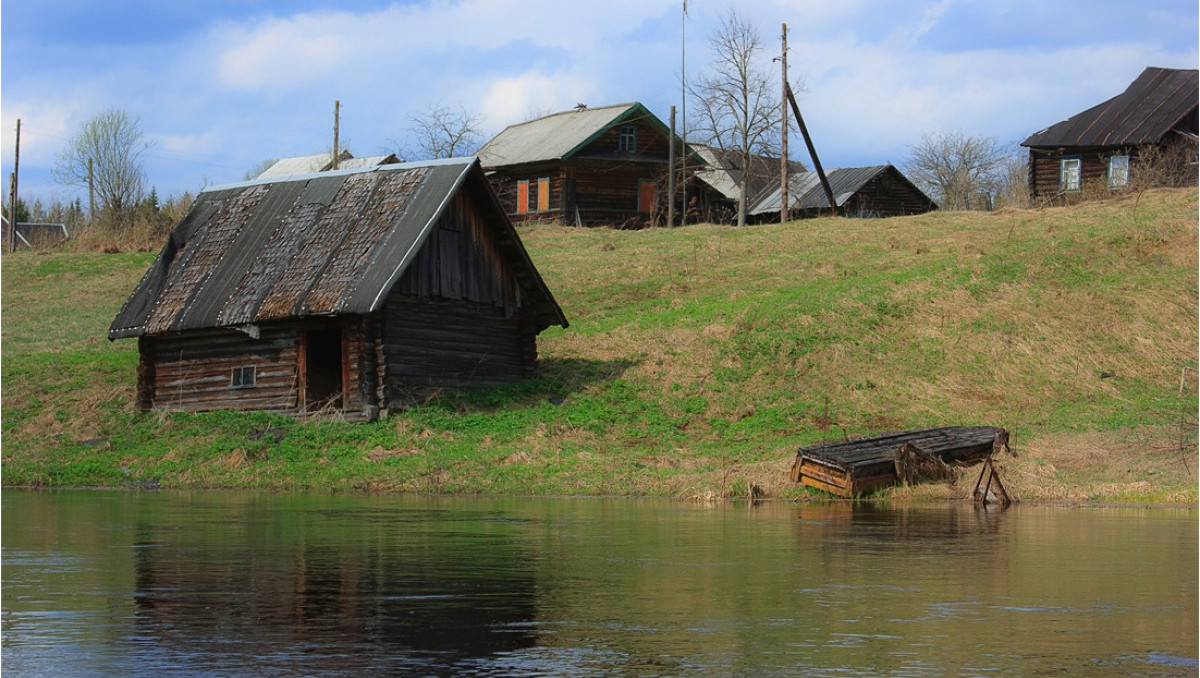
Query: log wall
x,y
1045,178
430,344
192,371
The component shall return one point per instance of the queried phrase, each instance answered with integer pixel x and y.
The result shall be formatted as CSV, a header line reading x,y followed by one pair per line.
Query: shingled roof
x,y
1144,113
327,243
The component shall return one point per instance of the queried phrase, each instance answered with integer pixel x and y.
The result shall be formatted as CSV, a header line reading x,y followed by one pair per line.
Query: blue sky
x,y
221,85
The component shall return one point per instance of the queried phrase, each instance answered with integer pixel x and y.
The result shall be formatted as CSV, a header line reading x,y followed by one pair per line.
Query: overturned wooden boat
x,y
850,468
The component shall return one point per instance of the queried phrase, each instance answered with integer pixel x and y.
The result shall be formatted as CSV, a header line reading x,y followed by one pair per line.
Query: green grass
x,y
697,360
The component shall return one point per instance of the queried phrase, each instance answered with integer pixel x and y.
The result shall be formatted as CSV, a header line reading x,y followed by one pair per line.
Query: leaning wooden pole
x,y
812,151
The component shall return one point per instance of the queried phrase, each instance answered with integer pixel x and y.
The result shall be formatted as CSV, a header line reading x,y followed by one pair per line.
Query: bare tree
x,y
736,103
258,168
112,142
442,132
956,169
1013,187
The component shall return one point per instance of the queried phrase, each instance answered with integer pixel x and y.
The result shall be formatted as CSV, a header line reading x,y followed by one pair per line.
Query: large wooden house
x,y
350,290
587,166
1155,117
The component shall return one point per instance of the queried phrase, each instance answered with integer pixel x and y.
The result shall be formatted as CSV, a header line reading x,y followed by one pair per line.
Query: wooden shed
x,y
351,290
876,191
1154,117
586,167
716,188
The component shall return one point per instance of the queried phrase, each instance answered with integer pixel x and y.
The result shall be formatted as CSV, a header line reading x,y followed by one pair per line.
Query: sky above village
x,y
219,86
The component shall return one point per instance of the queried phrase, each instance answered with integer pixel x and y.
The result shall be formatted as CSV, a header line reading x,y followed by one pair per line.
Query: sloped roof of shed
x,y
304,164
321,162
1143,114
723,175
560,135
805,190
327,243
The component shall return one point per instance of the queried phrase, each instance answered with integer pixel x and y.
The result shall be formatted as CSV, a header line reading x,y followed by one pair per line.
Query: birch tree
x,y
113,143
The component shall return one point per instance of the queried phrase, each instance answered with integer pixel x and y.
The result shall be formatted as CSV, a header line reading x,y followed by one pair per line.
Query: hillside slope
x,y
697,360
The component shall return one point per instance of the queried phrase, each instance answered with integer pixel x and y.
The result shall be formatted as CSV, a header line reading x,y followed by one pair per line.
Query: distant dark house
x,y
873,192
587,166
351,290
1155,115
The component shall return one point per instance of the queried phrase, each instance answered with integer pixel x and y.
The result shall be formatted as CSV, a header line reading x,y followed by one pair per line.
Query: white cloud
x,y
878,73
280,55
510,100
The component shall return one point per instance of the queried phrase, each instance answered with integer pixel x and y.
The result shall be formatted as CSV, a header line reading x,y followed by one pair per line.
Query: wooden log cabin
x,y
351,290
1153,120
588,166
877,191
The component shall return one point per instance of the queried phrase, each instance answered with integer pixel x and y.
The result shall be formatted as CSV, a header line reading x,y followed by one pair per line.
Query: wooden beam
x,y
812,151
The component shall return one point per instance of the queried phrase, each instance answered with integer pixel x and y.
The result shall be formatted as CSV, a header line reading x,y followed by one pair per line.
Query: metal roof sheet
x,y
805,190
320,244
556,136
724,175
305,164
1143,114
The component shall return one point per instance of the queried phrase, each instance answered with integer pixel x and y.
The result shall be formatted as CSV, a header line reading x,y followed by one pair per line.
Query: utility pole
x,y
91,193
671,174
12,203
337,106
784,206
683,122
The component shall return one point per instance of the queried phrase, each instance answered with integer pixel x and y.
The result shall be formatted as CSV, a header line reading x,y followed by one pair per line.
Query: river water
x,y
110,583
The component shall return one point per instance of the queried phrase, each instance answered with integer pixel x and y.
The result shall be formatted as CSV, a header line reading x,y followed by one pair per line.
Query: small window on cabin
x,y
242,377
523,196
543,194
1069,173
1118,171
628,139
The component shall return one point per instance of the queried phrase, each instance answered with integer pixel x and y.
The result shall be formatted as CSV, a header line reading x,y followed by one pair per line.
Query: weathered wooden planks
x,y
854,467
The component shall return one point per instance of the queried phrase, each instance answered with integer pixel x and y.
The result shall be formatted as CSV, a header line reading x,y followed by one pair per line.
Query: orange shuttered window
x,y
522,196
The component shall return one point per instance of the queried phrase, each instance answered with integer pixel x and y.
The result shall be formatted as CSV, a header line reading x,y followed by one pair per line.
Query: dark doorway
x,y
323,369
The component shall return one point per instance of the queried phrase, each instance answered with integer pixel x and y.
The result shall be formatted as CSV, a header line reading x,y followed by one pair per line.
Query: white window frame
x,y
627,143
1070,180
1118,171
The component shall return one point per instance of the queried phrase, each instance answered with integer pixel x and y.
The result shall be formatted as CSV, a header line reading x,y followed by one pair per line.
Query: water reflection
x,y
241,585
333,585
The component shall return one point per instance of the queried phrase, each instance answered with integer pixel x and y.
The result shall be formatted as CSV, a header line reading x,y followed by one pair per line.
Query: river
x,y
113,583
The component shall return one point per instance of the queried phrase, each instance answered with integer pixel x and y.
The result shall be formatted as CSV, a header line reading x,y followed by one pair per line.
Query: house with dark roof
x,y
350,290
1155,117
586,166
871,192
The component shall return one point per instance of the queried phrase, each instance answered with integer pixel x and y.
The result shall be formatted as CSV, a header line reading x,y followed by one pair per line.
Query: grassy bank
x,y
697,361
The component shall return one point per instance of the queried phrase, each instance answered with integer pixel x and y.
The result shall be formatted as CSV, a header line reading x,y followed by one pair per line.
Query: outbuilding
x,y
870,192
353,291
